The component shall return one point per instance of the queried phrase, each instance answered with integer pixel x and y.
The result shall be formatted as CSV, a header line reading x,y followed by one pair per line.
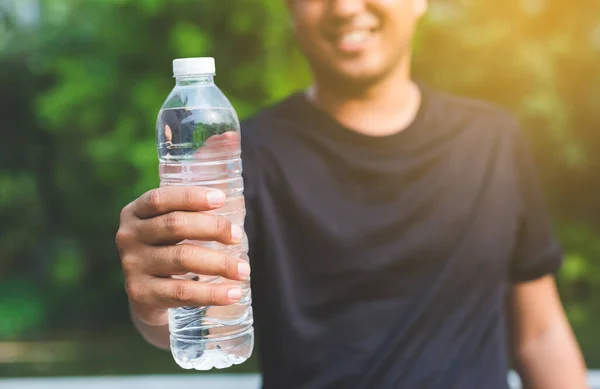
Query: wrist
x,y
150,318
157,334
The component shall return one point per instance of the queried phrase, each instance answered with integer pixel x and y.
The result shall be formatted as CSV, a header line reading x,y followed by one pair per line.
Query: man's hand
x,y
148,241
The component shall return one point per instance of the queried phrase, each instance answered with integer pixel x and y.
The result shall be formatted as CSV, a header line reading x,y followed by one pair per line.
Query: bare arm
x,y
544,347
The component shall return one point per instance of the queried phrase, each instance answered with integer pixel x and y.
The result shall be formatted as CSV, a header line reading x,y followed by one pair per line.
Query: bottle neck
x,y
197,79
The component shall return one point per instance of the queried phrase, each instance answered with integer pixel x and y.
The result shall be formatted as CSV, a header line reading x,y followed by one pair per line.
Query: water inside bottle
x,y
201,146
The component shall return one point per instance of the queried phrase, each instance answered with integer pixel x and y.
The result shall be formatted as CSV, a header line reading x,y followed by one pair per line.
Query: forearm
x,y
157,336
552,361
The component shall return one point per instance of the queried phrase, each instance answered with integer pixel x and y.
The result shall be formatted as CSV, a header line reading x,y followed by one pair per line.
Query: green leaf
x,y
67,268
575,267
189,41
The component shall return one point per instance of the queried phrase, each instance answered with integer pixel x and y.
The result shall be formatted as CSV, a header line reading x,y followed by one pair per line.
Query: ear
x,y
419,5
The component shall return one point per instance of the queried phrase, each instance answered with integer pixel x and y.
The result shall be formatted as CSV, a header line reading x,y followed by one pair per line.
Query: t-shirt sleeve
x,y
537,252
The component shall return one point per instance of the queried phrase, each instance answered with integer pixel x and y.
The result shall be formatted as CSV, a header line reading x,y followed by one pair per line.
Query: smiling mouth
x,y
354,40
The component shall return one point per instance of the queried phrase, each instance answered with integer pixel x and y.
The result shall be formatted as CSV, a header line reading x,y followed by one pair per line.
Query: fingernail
x,y
243,270
215,197
234,294
236,232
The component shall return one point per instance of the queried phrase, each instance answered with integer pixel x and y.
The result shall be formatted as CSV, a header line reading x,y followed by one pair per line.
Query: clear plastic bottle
x,y
198,142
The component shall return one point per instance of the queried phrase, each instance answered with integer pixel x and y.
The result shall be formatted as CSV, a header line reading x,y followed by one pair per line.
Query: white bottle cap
x,y
193,66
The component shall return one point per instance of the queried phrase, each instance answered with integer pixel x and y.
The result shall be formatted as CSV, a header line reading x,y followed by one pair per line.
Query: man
x,y
397,236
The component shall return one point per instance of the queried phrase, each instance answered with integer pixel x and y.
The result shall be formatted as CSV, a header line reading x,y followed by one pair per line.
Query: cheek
x,y
306,25
401,13
310,40
393,4
398,28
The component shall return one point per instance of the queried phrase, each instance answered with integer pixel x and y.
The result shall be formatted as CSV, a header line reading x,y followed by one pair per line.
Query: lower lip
x,y
354,47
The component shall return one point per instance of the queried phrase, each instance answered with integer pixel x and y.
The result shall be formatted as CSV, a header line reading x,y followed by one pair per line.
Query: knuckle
x,y
155,198
183,292
182,256
134,290
224,264
213,296
189,196
128,264
222,227
175,223
123,237
125,212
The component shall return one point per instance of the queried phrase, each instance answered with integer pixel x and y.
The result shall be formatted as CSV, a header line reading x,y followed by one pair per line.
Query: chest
x,y
346,215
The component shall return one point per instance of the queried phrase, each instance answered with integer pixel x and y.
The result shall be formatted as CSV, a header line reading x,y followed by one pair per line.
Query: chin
x,y
351,70
360,74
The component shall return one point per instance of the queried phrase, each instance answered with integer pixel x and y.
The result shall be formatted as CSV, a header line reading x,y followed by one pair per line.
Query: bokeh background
x,y
81,82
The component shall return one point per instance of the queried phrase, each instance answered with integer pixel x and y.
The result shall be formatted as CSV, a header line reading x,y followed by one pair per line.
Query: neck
x,y
377,109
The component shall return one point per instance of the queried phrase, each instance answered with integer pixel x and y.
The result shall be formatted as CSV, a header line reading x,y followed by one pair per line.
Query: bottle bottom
x,y
206,354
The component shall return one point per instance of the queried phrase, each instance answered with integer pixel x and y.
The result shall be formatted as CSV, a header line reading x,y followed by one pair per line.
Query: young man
x,y
397,234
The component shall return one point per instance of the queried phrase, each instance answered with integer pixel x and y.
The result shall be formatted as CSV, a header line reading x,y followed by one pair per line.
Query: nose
x,y
344,9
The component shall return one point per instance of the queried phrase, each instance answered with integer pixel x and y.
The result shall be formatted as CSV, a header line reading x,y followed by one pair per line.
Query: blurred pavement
x,y
199,381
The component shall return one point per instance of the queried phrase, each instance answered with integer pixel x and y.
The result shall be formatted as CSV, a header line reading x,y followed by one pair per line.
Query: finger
x,y
226,145
188,258
178,226
172,293
177,198
229,137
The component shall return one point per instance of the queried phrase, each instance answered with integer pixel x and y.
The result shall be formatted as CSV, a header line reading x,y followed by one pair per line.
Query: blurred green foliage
x,y
80,91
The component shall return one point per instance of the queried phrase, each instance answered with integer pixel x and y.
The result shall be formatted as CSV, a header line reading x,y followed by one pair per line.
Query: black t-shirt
x,y
384,262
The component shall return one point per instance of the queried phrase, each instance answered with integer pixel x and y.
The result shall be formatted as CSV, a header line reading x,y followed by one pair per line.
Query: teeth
x,y
354,37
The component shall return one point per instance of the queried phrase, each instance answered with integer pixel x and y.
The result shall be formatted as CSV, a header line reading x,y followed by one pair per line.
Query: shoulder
x,y
271,119
272,115
484,117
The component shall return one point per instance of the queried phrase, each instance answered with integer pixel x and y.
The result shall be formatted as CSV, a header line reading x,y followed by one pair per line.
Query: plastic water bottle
x,y
198,142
